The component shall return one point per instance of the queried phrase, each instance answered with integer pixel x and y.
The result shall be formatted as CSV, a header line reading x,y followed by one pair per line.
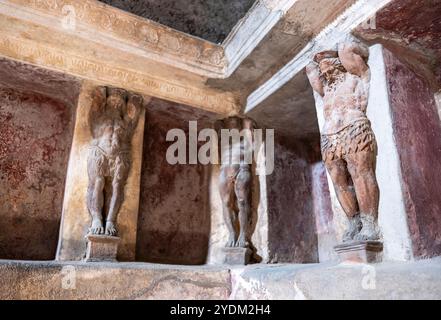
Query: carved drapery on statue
x,y
113,118
349,149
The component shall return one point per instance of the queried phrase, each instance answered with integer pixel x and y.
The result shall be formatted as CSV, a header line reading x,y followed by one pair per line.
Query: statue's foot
x,y
97,226
368,234
231,241
242,242
369,231
354,227
111,229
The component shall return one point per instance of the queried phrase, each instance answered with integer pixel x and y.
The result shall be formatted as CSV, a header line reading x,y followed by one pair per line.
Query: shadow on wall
x,y
36,126
174,211
292,234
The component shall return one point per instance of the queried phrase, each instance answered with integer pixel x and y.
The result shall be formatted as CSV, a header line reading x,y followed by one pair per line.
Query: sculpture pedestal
x,y
360,251
237,256
101,248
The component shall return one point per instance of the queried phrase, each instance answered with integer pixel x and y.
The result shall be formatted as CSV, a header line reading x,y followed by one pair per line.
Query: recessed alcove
x,y
37,109
174,206
299,210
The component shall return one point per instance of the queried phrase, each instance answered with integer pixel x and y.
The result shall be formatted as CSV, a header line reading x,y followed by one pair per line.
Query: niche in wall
x,y
174,210
37,110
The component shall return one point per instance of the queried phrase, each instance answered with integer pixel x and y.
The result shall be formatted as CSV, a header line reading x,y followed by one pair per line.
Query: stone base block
x,y
360,251
101,248
237,256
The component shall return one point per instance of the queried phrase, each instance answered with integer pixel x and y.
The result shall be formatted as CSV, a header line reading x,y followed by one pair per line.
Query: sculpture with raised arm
x,y
349,148
113,118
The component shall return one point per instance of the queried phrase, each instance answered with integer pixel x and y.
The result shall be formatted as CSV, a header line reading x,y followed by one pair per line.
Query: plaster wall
x,y
417,129
174,212
35,139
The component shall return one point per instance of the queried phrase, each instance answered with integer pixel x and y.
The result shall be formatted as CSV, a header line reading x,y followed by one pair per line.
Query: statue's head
x,y
249,124
329,64
233,123
116,98
354,45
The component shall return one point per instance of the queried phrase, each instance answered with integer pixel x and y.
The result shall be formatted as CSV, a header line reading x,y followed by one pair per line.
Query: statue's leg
x,y
361,166
95,191
242,190
344,190
119,179
226,188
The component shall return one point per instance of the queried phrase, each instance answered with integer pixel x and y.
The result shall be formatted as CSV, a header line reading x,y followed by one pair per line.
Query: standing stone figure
x,y
113,118
348,143
235,182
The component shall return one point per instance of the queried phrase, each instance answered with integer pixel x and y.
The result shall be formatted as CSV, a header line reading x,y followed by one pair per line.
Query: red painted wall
x,y
174,212
417,132
292,234
35,140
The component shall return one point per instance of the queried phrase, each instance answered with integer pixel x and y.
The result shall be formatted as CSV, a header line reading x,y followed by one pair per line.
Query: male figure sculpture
x,y
113,118
348,143
235,182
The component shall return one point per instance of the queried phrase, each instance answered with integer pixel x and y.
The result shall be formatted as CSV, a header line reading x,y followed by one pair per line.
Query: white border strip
x,y
250,31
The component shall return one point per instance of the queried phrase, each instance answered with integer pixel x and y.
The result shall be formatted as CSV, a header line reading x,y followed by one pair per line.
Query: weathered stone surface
x,y
36,122
113,118
53,280
235,180
237,256
211,20
96,281
360,251
76,219
101,248
133,33
402,281
411,29
341,76
293,30
35,137
29,78
417,130
291,223
121,50
174,210
283,213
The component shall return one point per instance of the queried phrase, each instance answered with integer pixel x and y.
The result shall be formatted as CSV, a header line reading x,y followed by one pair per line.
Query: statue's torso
x,y
235,154
112,136
345,101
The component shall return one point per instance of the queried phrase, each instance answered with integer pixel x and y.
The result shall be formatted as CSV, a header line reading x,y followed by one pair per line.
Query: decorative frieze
x,y
99,21
102,71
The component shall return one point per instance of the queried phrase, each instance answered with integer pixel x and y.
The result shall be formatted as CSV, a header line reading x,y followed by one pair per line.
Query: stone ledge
x,y
45,280
65,281
390,280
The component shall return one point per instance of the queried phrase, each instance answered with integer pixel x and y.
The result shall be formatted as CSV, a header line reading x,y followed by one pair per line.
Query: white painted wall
x,y
438,102
392,213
